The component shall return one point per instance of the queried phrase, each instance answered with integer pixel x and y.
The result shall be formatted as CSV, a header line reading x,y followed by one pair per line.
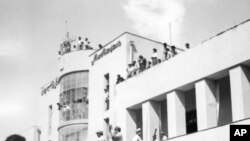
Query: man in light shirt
x,y
116,135
138,136
154,56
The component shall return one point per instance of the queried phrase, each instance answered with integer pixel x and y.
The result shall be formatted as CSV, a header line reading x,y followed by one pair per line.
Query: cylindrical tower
x,y
73,78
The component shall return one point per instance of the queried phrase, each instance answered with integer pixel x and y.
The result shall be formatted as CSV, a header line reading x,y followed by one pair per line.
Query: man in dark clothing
x,y
173,51
142,63
15,137
119,79
187,45
166,51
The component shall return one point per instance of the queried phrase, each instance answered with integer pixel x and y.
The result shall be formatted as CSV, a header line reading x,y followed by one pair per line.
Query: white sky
x,y
31,31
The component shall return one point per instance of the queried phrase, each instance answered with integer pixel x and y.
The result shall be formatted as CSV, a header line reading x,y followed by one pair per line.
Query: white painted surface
x,y
240,87
176,114
206,104
74,61
151,121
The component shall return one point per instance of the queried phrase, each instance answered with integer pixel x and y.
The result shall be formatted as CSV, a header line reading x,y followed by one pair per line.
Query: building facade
x,y
64,101
192,95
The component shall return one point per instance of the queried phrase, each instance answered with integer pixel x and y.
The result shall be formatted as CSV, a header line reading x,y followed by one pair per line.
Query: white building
x,y
194,95
64,101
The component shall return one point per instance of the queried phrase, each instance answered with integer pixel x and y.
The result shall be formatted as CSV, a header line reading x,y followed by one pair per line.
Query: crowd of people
x,y
70,45
116,135
142,63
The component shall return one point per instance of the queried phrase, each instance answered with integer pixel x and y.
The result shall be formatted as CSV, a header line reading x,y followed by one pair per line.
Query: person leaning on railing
x,y
142,63
119,79
166,51
154,56
173,51
130,71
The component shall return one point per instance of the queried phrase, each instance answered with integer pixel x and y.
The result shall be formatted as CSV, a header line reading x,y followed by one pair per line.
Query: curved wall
x,y
74,61
73,95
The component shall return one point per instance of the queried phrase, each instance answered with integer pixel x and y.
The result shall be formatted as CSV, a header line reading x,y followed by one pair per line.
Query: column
x,y
150,119
240,92
130,125
176,114
37,133
206,104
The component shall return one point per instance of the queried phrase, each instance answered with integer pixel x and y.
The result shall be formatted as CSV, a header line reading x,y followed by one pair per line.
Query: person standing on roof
x,y
154,56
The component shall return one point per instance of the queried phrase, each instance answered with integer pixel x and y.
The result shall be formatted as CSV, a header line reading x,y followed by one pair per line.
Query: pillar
x,y
150,119
176,114
130,124
240,92
206,104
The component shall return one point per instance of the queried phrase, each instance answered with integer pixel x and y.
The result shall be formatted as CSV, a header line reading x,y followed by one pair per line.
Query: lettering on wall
x,y
105,51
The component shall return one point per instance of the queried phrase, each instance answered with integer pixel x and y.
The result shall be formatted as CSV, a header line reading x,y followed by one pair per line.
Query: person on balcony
x,y
158,61
79,42
119,79
187,45
173,51
87,43
142,63
154,57
130,71
100,46
149,64
134,68
166,51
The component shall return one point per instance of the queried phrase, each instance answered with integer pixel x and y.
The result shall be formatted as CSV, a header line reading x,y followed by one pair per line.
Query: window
x,y
50,120
106,91
73,96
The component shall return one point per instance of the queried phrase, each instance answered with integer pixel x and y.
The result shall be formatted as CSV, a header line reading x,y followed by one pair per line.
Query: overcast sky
x,y
31,31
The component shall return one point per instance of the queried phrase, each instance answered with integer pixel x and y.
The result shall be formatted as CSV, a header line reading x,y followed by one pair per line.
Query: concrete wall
x,y
70,62
211,57
74,61
206,59
113,63
144,47
214,134
51,98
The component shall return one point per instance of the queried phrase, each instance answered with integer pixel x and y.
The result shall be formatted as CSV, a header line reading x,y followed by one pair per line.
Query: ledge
x,y
73,122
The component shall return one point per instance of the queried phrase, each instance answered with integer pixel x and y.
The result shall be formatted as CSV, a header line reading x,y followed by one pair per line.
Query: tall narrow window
x,y
106,90
50,121
73,95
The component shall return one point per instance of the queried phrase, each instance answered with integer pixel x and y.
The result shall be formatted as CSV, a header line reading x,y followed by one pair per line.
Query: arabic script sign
x,y
106,51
